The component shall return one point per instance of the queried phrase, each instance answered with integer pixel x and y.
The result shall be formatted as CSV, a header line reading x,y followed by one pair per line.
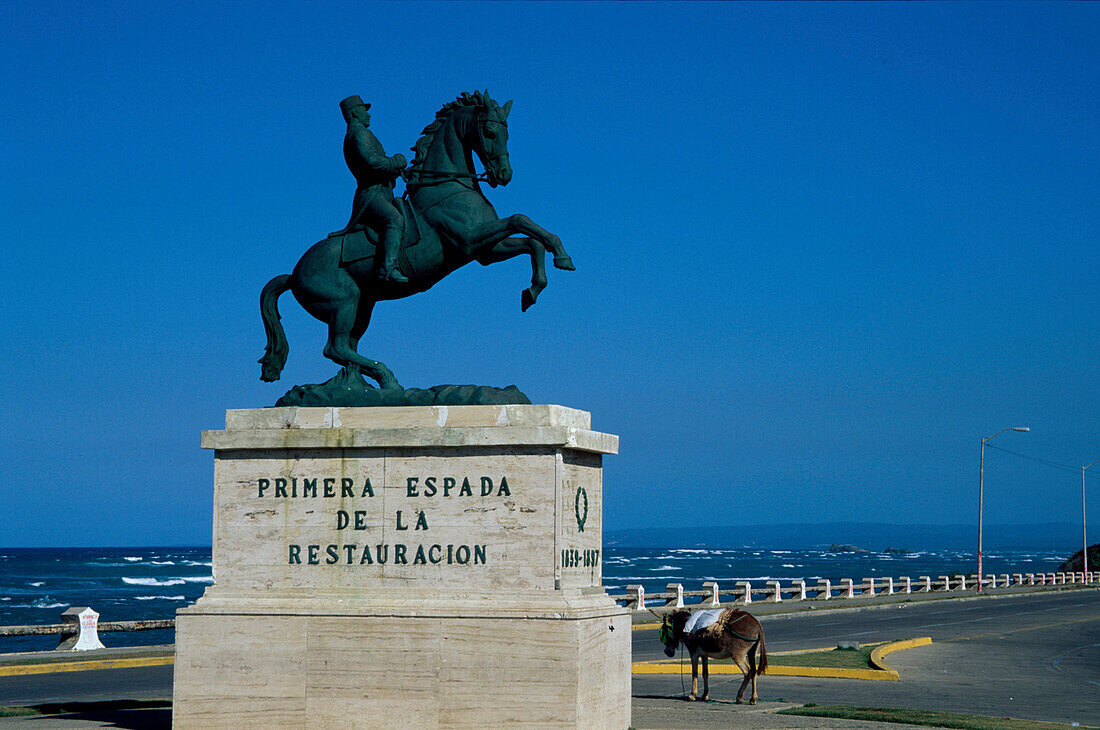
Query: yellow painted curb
x,y
882,650
643,627
52,667
883,673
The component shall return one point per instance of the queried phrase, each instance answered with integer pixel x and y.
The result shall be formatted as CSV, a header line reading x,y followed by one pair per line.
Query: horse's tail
x,y
763,666
277,348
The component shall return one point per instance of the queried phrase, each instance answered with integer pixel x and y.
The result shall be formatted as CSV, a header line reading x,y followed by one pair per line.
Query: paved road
x,y
1034,656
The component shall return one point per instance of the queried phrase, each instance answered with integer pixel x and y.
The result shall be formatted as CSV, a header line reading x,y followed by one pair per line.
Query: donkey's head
x,y
672,628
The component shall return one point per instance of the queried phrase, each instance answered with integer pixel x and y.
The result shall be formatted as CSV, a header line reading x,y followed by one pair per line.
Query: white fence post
x,y
800,586
962,582
776,591
946,582
713,588
748,590
678,601
927,580
868,587
848,588
639,596
824,589
889,585
1030,579
908,583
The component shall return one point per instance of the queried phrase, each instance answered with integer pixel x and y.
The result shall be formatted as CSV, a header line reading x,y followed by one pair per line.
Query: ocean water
x,y
37,584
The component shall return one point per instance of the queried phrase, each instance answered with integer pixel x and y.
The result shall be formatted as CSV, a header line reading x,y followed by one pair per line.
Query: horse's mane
x,y
465,99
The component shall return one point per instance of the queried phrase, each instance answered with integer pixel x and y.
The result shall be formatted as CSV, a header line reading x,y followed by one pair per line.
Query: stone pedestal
x,y
405,567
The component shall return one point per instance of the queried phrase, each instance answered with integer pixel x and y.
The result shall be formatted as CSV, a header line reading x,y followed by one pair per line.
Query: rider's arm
x,y
370,152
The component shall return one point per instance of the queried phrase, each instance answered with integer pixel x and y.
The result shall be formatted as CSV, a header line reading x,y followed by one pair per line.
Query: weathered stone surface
x,y
344,391
480,599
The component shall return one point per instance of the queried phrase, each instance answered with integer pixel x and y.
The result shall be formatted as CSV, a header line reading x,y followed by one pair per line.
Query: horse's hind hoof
x,y
526,300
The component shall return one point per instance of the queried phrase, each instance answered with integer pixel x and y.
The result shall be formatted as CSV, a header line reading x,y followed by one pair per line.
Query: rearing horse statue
x,y
449,223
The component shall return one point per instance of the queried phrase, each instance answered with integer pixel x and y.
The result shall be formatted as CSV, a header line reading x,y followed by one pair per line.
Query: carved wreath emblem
x,y
582,517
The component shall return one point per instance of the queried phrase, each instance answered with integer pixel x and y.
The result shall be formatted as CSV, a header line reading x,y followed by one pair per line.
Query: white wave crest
x,y
152,581
160,598
132,559
199,578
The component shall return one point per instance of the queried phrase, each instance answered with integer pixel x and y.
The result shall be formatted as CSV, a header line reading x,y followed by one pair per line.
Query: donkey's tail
x,y
763,666
277,348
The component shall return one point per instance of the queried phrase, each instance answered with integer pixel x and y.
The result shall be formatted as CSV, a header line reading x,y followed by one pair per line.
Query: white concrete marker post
x,y
711,586
88,622
678,588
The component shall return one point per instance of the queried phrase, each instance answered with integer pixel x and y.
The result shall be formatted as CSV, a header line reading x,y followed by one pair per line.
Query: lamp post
x,y
1084,534
981,495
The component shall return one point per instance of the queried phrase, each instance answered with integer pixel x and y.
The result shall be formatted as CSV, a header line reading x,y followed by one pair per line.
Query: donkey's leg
x,y
512,247
752,666
738,656
706,677
340,350
694,676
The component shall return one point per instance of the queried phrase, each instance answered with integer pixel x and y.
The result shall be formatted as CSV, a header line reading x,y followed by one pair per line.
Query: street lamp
x,y
981,494
1084,535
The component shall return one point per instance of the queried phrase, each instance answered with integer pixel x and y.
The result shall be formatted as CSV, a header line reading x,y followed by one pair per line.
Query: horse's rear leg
x,y
343,337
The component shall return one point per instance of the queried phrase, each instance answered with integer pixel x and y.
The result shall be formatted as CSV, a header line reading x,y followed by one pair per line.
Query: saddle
x,y
700,620
364,242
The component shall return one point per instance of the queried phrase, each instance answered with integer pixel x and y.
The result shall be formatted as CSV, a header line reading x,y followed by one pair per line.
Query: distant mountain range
x,y
869,535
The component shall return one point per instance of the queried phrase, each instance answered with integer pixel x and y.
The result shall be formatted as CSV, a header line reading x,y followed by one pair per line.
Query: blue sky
x,y
822,249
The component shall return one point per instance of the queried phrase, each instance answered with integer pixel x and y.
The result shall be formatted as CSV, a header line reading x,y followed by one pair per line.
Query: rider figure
x,y
375,174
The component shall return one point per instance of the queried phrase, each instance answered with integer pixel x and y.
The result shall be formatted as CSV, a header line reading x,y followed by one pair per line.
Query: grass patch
x,y
928,718
18,711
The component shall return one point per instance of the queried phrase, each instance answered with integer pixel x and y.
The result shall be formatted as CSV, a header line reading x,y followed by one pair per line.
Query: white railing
x,y
797,589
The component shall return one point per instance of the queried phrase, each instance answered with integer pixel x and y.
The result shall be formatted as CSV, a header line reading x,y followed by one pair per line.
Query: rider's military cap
x,y
351,102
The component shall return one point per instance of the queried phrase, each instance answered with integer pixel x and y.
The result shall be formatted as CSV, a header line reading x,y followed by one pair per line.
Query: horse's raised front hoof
x,y
565,263
526,300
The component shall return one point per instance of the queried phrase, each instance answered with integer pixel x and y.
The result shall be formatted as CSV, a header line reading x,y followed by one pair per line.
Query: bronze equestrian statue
x,y
444,222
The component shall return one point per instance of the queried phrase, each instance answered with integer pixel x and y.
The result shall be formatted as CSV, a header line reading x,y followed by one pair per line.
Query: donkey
x,y
736,635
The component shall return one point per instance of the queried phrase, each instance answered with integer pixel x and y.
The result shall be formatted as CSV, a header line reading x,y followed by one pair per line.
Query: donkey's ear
x,y
505,109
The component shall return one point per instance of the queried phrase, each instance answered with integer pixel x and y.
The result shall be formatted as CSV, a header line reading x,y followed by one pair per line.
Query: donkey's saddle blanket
x,y
702,619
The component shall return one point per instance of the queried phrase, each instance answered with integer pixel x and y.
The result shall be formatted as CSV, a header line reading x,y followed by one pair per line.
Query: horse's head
x,y
491,142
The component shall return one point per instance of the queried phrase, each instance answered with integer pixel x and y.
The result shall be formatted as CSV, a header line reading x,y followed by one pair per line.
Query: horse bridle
x,y
443,176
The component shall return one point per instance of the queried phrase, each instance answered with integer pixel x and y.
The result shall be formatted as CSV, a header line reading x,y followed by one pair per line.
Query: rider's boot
x,y
388,271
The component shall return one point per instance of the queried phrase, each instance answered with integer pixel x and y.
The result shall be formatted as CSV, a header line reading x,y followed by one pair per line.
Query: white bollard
x,y
868,587
927,580
1061,579
962,582
848,588
88,622
824,589
748,590
678,601
889,586
776,591
992,580
946,582
800,586
908,583
1030,579
713,588
1018,578
639,597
